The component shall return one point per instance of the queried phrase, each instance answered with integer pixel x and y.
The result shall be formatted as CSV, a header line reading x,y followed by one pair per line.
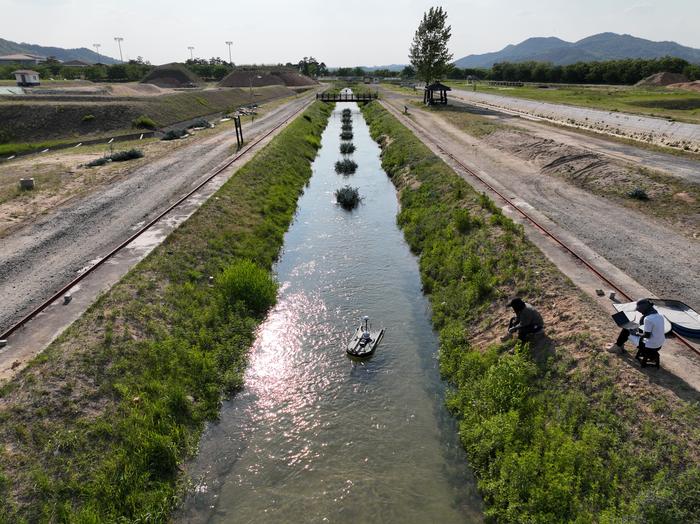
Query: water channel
x,y
315,436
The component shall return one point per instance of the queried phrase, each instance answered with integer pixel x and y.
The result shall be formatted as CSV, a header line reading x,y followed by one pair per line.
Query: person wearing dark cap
x,y
650,336
526,320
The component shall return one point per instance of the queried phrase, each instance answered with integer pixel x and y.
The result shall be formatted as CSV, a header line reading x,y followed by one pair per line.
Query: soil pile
x,y
172,75
661,79
258,78
688,86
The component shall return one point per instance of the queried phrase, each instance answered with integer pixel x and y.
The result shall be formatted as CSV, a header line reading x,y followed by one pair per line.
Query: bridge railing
x,y
347,97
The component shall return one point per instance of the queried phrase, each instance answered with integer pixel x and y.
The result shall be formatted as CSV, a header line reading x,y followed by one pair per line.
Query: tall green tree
x,y
429,54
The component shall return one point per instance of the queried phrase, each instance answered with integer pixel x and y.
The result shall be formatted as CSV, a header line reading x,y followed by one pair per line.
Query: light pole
x,y
229,43
251,86
97,48
118,40
191,48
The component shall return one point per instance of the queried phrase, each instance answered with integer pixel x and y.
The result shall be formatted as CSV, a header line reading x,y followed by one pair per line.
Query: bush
x,y
201,122
346,135
348,197
98,161
122,156
88,118
174,134
247,283
463,221
345,166
144,122
638,194
347,148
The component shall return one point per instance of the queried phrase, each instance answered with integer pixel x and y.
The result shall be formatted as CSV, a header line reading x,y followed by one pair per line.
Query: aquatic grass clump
x,y
348,197
346,135
246,283
347,148
346,112
346,127
345,166
346,119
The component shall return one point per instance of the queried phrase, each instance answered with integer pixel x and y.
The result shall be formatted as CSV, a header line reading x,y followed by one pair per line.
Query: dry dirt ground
x,y
48,251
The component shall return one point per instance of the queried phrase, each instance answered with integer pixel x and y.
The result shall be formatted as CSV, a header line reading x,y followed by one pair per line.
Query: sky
x,y
339,33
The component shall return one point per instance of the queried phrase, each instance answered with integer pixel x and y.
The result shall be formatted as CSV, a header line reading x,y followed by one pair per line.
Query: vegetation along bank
x,y
95,428
555,431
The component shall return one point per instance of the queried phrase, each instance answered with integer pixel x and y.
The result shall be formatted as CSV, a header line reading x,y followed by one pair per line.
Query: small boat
x,y
365,340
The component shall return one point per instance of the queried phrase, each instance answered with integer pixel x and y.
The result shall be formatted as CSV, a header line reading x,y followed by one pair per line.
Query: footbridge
x,y
347,97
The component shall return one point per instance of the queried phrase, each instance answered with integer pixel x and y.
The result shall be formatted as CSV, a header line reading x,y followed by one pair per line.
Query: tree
x,y
429,54
408,72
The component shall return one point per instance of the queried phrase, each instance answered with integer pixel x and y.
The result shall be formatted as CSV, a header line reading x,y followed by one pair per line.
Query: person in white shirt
x,y
650,337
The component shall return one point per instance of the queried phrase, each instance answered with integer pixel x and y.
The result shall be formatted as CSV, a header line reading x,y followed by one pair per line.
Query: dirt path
x,y
659,131
42,256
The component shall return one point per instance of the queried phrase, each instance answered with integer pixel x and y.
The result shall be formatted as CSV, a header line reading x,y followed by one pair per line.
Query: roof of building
x,y
21,56
24,72
437,86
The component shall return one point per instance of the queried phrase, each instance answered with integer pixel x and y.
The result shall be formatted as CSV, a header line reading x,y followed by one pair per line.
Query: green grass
x,y
548,438
683,106
99,423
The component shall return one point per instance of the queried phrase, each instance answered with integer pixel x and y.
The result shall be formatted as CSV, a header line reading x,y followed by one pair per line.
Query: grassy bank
x,y
673,104
23,123
550,430
95,428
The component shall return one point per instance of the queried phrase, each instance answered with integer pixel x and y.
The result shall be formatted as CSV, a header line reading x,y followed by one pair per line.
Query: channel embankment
x,y
558,430
96,427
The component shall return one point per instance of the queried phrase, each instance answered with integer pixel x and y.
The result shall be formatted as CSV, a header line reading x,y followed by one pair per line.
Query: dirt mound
x,y
688,86
250,78
294,79
260,78
661,79
172,75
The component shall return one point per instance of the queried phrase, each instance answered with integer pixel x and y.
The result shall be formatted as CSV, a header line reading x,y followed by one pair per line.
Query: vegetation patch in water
x,y
346,127
347,148
348,197
550,433
346,135
345,166
101,421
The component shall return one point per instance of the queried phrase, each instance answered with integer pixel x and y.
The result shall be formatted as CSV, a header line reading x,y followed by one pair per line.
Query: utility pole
x,y
97,48
191,48
118,40
229,43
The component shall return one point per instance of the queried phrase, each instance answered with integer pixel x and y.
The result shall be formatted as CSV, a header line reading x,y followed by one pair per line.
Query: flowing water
x,y
315,436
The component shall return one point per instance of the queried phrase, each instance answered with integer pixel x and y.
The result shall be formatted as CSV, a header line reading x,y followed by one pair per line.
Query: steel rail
x,y
57,295
525,215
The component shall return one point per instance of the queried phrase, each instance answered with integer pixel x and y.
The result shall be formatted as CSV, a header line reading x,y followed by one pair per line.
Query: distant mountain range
x,y
600,47
8,47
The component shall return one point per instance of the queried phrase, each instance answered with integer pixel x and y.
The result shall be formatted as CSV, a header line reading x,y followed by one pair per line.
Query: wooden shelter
x,y
429,95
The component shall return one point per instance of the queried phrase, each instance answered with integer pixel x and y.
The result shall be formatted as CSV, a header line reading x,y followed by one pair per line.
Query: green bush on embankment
x,y
95,428
549,441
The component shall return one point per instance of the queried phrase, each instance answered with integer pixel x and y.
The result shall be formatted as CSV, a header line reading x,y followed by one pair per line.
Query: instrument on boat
x,y
365,340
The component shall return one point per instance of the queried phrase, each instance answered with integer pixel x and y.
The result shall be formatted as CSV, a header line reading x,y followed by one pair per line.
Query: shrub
x,y
174,134
638,194
88,118
98,161
201,122
247,283
348,197
144,122
347,148
346,135
463,221
345,166
122,156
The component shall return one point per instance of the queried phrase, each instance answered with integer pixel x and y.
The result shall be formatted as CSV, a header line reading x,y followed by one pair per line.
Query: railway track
x,y
63,290
526,216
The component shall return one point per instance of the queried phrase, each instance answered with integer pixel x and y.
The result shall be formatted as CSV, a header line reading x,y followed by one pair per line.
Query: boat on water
x,y
365,340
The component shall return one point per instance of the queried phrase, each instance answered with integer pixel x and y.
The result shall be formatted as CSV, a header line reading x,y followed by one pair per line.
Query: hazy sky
x,y
341,33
